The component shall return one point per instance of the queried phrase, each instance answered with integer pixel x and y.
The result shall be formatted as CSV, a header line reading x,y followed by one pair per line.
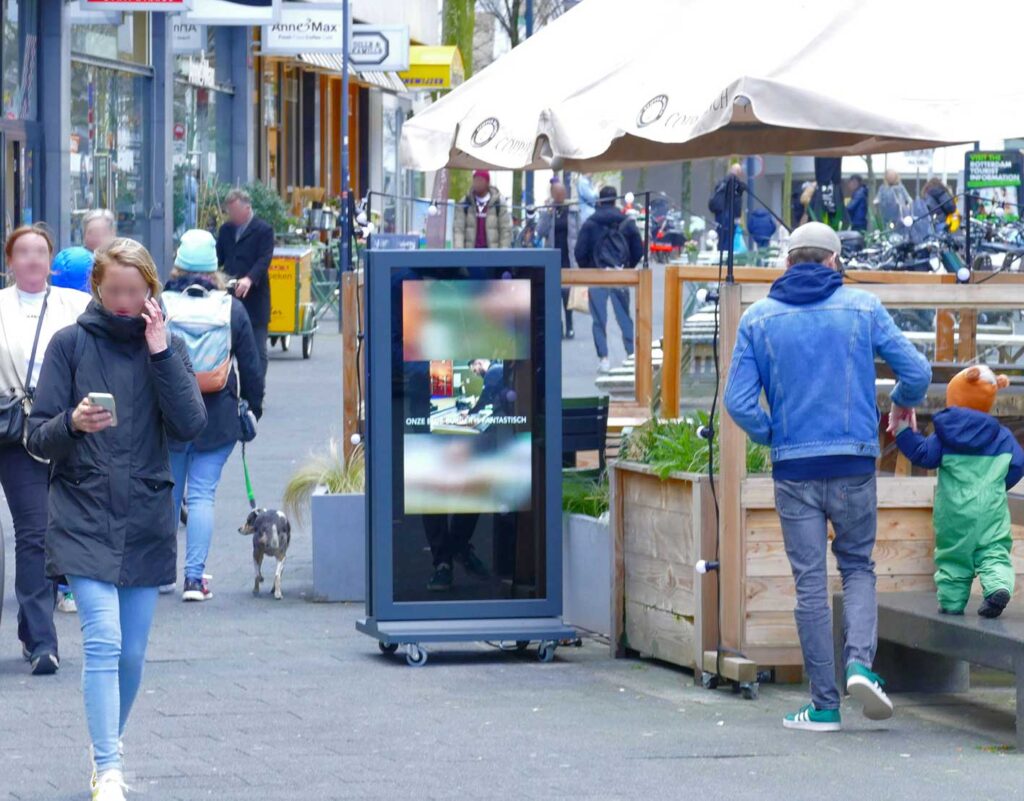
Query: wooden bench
x,y
922,650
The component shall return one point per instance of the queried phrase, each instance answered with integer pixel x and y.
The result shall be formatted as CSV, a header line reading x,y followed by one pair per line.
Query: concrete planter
x,y
339,547
587,573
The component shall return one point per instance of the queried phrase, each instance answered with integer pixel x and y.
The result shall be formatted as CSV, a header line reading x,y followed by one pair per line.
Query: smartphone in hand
x,y
106,401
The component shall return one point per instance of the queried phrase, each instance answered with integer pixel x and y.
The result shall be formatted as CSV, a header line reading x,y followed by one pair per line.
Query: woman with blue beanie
x,y
217,331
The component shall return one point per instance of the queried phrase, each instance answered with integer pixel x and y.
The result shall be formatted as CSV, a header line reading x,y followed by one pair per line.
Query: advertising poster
x,y
993,183
467,434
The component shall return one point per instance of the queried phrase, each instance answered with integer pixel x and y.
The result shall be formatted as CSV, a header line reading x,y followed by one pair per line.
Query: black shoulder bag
x,y
14,410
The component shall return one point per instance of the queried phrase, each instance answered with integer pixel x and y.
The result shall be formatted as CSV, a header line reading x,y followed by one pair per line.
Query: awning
x,y
331,62
433,67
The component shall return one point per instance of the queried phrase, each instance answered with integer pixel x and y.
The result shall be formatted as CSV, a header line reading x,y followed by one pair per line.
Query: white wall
x,y
422,16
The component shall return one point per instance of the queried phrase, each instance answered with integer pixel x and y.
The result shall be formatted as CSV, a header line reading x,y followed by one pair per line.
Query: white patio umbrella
x,y
612,84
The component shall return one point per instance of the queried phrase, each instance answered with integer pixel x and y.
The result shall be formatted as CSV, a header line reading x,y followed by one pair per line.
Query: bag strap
x,y
29,388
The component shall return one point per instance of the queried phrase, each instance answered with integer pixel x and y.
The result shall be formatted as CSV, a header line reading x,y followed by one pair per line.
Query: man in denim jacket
x,y
810,346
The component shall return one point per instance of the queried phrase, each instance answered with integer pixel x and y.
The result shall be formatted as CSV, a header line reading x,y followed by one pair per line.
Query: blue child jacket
x,y
811,347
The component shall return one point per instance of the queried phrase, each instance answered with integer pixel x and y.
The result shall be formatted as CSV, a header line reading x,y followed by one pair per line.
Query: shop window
x,y
18,58
109,167
127,42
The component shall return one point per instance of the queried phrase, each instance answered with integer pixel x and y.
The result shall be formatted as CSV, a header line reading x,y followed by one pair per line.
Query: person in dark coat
x,y
110,527
857,208
245,247
197,465
591,251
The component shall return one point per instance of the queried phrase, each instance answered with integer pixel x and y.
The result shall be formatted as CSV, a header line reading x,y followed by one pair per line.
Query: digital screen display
x,y
468,434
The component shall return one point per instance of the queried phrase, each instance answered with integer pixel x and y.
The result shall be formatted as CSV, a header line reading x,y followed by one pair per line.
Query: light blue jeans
x,y
115,625
805,509
198,474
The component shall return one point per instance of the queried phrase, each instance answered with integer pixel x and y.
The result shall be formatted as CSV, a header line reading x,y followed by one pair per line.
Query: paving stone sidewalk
x,y
251,698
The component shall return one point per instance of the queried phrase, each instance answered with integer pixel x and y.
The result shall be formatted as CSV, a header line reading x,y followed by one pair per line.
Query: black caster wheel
x,y
750,690
286,342
387,647
522,645
307,346
415,656
546,651
709,681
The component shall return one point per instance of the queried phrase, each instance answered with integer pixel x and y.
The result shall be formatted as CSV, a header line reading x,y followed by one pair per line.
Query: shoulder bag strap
x,y
30,388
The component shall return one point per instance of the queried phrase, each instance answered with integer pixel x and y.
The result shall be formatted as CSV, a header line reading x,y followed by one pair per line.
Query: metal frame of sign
x,y
380,604
192,16
167,6
266,49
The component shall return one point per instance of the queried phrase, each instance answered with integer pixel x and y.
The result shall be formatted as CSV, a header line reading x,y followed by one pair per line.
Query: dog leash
x,y
248,481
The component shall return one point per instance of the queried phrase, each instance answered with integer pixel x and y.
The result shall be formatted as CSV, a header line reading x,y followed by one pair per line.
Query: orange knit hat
x,y
975,388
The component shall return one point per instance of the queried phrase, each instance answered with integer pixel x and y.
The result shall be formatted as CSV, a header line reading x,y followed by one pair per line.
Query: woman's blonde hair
x,y
217,278
126,253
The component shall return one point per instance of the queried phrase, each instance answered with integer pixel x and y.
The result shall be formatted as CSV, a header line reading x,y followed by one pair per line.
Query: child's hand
x,y
900,419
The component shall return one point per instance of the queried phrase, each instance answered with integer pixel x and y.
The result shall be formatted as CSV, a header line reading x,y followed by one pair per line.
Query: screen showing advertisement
x,y
993,182
468,429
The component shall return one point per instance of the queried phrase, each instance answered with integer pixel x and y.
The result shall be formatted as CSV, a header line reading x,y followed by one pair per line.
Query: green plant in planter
x,y
329,471
584,494
674,446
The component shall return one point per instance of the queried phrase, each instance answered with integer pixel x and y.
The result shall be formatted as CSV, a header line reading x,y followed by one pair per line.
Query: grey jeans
x,y
806,508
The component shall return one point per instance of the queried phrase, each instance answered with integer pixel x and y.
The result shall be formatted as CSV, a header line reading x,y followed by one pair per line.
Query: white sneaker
x,y
109,786
603,365
167,589
66,603
94,779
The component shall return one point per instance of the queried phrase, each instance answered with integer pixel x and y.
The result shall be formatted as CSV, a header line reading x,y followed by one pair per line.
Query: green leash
x,y
248,481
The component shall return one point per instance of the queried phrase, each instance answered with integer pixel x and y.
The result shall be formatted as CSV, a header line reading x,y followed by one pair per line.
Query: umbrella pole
x,y
730,204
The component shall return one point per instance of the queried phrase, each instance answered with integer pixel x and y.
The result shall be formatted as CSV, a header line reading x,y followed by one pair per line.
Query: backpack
x,y
612,248
716,205
202,318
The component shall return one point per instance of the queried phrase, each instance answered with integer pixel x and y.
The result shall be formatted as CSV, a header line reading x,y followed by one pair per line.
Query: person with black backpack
x,y
610,240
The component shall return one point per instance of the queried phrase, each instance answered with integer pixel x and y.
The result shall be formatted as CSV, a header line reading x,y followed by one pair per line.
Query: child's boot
x,y
994,604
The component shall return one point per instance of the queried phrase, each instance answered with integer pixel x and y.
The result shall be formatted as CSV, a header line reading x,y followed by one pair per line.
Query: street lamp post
x,y
346,216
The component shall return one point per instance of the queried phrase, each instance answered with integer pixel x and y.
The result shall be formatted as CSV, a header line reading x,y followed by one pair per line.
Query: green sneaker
x,y
866,687
811,719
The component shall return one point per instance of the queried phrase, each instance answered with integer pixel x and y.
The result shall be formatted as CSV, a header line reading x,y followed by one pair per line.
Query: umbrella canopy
x,y
612,84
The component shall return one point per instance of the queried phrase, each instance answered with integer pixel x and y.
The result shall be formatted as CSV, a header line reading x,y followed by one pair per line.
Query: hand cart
x,y
292,310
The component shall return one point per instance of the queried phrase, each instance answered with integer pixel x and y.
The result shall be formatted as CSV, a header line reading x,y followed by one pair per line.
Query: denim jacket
x,y
811,347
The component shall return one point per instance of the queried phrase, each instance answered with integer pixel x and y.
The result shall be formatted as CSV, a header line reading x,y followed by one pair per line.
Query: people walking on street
x,y
857,208
609,239
110,524
810,346
30,314
893,201
217,331
245,248
559,228
99,227
483,219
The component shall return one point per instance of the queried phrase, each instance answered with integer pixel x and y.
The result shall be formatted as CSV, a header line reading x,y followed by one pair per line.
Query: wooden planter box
x,y
660,529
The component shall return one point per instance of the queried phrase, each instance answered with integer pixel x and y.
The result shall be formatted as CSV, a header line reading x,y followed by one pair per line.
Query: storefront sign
x,y
993,182
186,36
380,47
305,28
233,12
135,5
198,72
433,67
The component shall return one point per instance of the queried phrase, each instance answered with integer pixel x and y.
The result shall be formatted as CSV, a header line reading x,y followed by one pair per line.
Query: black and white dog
x,y
271,534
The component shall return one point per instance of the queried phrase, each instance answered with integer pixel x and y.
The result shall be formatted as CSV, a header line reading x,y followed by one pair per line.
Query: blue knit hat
x,y
197,252
72,269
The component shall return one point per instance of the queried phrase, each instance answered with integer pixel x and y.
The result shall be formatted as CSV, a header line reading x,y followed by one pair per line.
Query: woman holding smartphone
x,y
110,522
